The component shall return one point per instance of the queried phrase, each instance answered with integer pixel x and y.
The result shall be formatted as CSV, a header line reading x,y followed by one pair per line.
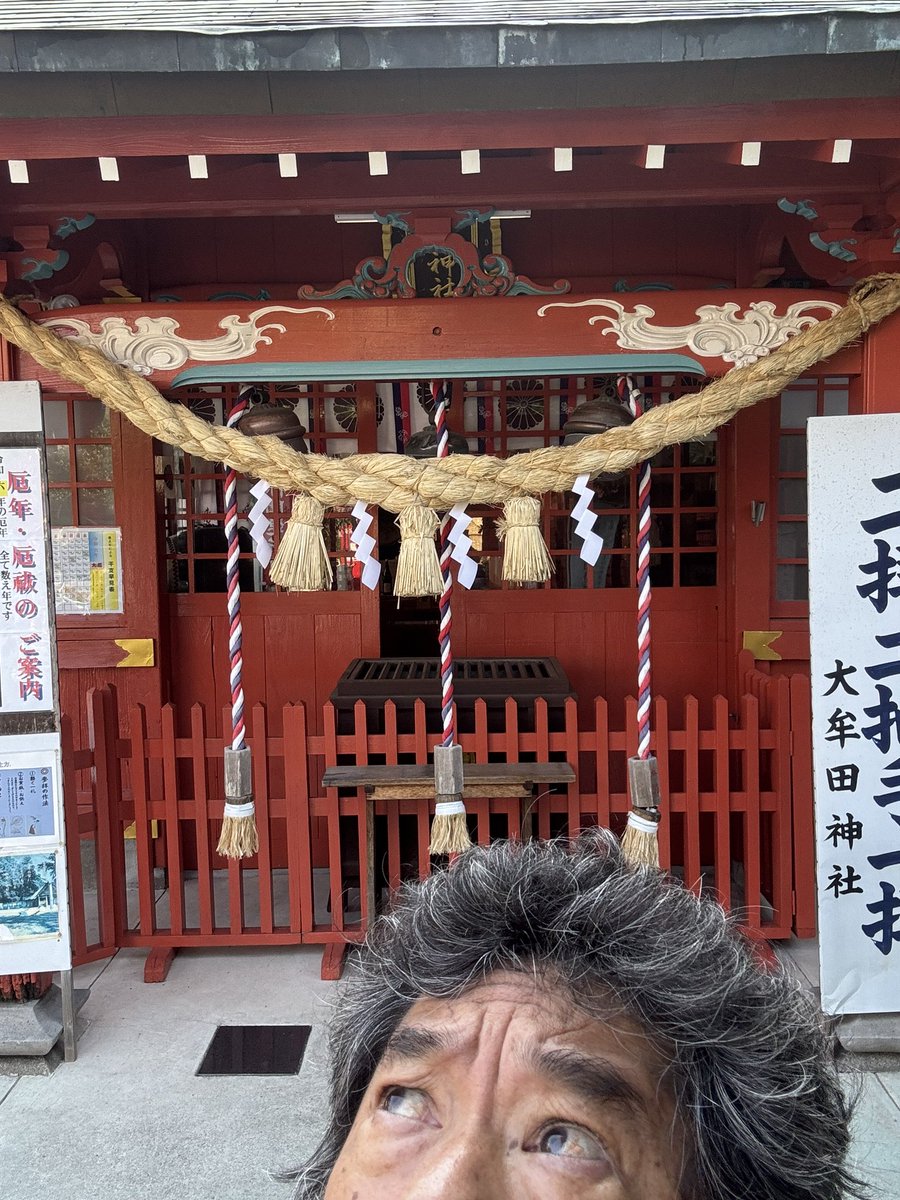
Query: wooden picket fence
x,y
143,814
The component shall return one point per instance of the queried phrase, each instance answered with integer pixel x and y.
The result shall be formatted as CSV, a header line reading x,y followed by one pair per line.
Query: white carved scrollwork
x,y
720,331
153,343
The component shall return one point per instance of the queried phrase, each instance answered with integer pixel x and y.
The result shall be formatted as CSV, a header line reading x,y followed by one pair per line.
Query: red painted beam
x,y
88,137
163,188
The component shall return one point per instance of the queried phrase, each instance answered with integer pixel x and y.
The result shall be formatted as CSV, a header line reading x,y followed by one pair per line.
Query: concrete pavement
x,y
130,1120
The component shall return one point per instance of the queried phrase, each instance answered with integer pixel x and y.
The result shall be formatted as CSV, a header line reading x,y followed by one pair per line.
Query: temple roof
x,y
248,16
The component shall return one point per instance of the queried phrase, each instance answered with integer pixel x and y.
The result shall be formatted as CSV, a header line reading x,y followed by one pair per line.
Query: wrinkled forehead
x,y
533,1011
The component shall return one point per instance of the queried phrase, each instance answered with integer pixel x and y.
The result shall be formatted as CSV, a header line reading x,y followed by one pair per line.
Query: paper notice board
x,y
87,570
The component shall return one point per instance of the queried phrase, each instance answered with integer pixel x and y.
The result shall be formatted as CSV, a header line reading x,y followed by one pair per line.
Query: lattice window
x,y
191,490
509,416
828,396
79,461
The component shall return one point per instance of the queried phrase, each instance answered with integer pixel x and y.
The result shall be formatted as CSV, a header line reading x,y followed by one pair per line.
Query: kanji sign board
x,y
34,918
854,578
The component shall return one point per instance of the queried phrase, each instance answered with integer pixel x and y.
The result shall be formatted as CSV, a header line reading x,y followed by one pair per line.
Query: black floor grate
x,y
255,1050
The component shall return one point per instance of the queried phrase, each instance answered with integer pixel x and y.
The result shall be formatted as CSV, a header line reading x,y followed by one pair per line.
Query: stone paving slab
x,y
876,1139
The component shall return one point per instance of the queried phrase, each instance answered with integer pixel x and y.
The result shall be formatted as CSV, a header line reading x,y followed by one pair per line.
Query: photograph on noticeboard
x,y
29,897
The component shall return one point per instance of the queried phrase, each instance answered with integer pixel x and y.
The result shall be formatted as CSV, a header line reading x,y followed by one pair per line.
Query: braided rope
x,y
395,482
636,407
233,582
446,615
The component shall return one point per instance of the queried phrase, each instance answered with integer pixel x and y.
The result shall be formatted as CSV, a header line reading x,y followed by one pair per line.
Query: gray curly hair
x,y
752,1068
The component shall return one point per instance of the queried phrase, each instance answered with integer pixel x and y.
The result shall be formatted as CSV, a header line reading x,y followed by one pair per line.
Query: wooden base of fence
x,y
158,964
333,960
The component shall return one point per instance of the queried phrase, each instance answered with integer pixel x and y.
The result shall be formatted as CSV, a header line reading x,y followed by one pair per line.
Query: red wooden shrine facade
x,y
204,296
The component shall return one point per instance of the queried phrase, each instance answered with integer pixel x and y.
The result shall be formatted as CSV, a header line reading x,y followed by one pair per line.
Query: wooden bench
x,y
415,781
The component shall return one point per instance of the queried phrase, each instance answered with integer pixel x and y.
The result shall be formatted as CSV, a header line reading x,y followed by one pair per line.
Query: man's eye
x,y
570,1141
405,1102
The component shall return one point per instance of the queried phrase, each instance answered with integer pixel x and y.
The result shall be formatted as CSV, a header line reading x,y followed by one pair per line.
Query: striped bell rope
x,y
233,586
449,830
239,837
640,842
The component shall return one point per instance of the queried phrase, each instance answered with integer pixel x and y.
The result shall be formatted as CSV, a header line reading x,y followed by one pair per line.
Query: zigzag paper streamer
x,y
584,518
260,524
462,544
365,544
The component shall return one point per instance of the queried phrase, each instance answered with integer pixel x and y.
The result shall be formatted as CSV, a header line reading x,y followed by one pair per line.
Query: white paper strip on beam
x,y
750,152
18,170
562,158
287,166
248,16
109,169
378,164
197,166
470,162
655,158
841,150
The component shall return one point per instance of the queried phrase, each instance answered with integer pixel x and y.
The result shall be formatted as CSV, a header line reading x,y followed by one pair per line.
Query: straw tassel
x,y
302,563
418,568
239,837
526,558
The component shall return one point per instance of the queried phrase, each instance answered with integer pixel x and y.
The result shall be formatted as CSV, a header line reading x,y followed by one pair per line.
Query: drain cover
x,y
255,1050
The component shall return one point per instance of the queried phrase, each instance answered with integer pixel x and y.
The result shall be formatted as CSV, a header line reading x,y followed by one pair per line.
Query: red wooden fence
x,y
736,800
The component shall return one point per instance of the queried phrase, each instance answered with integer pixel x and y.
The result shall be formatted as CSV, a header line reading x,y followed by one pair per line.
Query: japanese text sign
x,y
26,675
34,918
854,567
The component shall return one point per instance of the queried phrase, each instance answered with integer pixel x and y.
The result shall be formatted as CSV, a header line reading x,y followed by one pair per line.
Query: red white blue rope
x,y
634,400
233,583
446,616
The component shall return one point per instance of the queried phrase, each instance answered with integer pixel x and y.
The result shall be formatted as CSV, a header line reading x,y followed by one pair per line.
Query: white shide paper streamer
x,y
260,523
462,544
365,544
591,542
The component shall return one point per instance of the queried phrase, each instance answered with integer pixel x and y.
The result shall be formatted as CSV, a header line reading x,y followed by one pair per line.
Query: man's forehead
x,y
538,1010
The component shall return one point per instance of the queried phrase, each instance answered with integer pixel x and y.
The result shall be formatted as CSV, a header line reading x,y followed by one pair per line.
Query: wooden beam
x,y
91,137
162,188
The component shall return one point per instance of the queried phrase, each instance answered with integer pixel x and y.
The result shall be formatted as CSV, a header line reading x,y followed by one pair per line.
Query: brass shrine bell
x,y
276,421
424,443
596,416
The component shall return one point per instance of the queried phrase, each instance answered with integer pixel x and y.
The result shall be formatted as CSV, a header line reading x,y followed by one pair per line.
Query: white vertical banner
x,y
854,569
34,911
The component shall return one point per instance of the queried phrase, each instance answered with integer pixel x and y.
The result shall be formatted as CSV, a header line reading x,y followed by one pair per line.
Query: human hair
x,y
752,1071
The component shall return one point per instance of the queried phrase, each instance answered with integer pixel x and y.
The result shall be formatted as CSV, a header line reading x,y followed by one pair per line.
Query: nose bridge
x,y
471,1167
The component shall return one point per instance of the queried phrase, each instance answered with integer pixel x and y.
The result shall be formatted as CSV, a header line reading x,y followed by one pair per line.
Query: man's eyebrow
x,y
414,1042
593,1080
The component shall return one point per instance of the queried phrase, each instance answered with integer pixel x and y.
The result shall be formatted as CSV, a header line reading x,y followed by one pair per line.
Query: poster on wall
x,y
28,796
34,917
87,570
26,665
854,568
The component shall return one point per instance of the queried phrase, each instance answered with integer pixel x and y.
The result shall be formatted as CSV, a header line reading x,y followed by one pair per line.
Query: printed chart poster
x,y
854,561
29,897
28,800
87,570
26,674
